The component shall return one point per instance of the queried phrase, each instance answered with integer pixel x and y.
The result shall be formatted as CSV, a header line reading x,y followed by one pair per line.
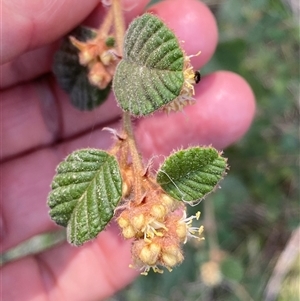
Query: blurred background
x,y
251,247
252,224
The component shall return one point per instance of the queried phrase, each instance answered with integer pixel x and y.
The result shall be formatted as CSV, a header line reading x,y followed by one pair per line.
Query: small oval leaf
x,y
72,76
150,75
232,269
189,175
85,191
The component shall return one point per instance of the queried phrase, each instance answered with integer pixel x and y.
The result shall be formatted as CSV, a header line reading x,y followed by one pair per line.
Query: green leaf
x,y
85,191
150,75
232,269
189,175
72,76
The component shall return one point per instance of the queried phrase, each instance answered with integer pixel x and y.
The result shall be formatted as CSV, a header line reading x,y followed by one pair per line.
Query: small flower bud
x,y
127,180
85,57
169,260
181,231
138,221
110,41
125,190
87,51
158,211
211,274
167,200
107,58
171,256
128,232
123,222
98,76
149,254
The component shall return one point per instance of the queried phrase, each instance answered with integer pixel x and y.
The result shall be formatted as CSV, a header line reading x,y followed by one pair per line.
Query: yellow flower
x,y
185,229
152,228
186,96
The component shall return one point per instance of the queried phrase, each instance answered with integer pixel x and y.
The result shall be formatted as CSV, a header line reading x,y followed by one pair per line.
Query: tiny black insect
x,y
197,77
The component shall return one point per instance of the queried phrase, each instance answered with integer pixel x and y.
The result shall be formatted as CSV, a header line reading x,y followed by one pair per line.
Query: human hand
x,y
40,128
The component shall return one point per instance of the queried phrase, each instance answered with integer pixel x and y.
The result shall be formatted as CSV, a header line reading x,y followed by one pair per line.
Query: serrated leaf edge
x,y
196,202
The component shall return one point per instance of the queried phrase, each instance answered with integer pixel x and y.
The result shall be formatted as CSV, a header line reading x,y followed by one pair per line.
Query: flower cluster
x,y
159,227
100,57
186,96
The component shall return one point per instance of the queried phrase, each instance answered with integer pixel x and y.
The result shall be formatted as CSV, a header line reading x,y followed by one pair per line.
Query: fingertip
x,y
223,112
225,106
193,23
32,24
134,8
131,9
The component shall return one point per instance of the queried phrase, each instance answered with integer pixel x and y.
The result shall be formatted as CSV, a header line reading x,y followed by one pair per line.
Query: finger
x,y
194,24
28,66
45,116
26,185
91,272
26,29
64,262
49,266
224,110
63,266
72,125
63,121
37,62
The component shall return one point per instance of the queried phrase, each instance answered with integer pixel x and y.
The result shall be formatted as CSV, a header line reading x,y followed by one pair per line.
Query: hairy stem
x,y
211,227
106,24
135,156
119,24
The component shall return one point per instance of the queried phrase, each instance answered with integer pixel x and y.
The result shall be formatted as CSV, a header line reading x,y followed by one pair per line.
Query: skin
x,y
40,127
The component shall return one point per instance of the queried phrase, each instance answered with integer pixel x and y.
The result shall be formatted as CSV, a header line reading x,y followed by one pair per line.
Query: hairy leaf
x,y
85,191
189,175
150,75
72,76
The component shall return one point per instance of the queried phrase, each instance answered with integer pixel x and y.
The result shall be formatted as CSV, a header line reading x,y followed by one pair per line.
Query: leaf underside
x,y
189,175
150,75
72,76
85,191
